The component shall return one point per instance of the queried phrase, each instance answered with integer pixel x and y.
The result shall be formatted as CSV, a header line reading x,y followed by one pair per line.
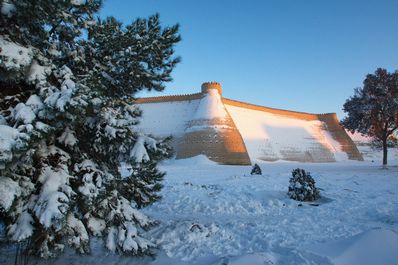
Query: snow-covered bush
x,y
302,186
67,121
256,170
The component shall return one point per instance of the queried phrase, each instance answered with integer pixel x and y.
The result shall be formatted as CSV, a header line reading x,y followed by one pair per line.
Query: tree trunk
x,y
384,151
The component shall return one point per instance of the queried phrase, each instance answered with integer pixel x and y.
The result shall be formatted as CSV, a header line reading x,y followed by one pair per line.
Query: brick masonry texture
x,y
220,140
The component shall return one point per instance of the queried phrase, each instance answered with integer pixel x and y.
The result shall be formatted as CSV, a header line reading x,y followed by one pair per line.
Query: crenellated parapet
x,y
161,99
211,85
294,114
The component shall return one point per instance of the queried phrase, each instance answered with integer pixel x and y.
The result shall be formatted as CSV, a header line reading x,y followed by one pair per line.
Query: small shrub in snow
x,y
256,170
302,186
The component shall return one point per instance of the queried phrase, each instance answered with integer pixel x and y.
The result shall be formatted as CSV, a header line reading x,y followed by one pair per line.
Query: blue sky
x,y
305,55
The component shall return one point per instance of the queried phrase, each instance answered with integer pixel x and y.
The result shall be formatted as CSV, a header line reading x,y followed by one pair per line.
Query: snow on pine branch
x,y
22,228
23,113
93,179
7,9
60,98
53,199
37,73
126,238
14,56
139,151
78,2
9,190
117,120
51,204
78,236
95,225
68,138
35,103
10,139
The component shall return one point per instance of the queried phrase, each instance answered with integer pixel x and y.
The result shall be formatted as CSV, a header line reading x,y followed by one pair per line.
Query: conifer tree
x,y
67,121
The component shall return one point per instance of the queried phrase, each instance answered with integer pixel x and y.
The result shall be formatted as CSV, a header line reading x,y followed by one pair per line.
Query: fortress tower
x,y
211,85
212,132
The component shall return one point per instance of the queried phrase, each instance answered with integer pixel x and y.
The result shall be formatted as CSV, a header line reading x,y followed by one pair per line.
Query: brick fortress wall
x,y
221,141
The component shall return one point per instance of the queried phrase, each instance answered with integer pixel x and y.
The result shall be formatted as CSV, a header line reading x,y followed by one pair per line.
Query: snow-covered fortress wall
x,y
233,132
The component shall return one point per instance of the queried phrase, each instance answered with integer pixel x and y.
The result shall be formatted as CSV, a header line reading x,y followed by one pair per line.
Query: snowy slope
x,y
273,137
376,246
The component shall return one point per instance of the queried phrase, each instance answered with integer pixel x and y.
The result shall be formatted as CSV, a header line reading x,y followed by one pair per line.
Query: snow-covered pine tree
x,y
256,170
67,121
302,186
120,61
37,39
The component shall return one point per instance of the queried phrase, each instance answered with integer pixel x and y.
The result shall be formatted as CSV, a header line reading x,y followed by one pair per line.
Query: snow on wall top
x,y
210,106
169,115
167,118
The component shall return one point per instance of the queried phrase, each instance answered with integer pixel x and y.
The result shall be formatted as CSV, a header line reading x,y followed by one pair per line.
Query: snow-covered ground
x,y
212,214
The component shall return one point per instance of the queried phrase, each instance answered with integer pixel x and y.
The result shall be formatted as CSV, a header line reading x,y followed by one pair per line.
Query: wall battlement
x,y
162,99
211,85
215,85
